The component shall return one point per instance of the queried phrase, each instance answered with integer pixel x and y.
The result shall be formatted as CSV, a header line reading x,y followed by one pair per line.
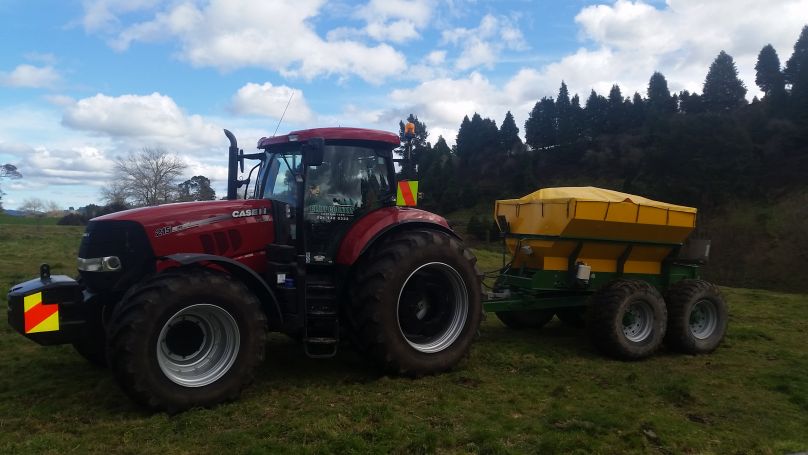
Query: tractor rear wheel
x,y
627,319
186,338
525,319
697,317
416,302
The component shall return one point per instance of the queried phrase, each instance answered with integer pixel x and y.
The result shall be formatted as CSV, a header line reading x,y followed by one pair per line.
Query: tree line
x,y
702,149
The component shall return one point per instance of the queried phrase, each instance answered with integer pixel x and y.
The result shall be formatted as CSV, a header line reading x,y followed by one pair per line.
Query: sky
x,y
85,82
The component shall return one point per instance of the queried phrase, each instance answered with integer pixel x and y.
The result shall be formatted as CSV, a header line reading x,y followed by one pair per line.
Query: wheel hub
x,y
432,307
638,321
185,337
703,319
198,345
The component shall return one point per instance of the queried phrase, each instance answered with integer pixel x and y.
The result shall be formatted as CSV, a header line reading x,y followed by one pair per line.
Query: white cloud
x,y
30,76
396,20
100,15
633,39
231,34
267,100
481,46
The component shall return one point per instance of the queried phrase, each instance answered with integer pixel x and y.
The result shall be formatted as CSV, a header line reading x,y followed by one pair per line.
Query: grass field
x,y
542,391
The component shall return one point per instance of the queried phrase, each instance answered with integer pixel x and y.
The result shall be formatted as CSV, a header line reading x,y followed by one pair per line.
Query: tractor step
x,y
321,338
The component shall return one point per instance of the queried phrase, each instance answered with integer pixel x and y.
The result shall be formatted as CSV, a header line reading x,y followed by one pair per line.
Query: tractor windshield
x,y
276,178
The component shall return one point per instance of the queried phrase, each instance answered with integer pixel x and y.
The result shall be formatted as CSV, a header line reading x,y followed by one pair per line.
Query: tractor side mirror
x,y
313,151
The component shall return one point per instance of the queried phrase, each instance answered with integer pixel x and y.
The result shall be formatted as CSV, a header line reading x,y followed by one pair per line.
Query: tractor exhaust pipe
x,y
232,165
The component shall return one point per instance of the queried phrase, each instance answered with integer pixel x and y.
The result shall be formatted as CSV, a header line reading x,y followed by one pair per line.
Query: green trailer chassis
x,y
520,288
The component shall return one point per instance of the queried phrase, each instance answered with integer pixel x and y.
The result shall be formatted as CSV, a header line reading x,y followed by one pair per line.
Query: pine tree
x,y
636,111
690,103
509,134
659,97
577,116
796,74
595,113
798,62
769,77
723,90
463,141
540,127
615,119
564,119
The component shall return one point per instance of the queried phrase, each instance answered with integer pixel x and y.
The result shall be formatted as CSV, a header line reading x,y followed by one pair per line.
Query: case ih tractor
x,y
177,299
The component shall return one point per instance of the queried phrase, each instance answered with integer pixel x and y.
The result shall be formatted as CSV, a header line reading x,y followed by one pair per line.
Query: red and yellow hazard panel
x,y
38,316
407,193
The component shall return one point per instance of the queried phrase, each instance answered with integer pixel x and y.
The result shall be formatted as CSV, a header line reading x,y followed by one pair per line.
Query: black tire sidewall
x,y
410,360
151,385
654,338
682,300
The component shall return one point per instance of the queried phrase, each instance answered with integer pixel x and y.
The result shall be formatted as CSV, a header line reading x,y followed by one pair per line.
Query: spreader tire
x,y
697,317
416,302
573,317
525,319
627,319
186,338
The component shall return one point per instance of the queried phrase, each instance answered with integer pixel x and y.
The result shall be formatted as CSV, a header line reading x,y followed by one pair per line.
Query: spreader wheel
x,y
416,302
525,319
186,338
697,317
627,319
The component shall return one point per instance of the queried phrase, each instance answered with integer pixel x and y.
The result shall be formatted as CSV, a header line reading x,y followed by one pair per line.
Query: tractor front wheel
x,y
416,302
186,338
627,319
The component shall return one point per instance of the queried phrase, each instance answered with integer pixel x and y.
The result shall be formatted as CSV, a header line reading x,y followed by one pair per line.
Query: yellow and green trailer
x,y
622,265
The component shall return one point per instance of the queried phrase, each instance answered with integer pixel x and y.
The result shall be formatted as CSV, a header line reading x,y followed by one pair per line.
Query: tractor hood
x,y
184,212
226,228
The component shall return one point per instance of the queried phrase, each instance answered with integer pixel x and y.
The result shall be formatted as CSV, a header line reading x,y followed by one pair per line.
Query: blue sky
x,y
85,82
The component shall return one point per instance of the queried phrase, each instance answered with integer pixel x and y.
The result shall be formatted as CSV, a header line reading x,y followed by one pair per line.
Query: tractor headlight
x,y
104,264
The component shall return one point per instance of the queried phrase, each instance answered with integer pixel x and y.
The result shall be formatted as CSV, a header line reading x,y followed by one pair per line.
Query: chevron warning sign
x,y
38,316
407,193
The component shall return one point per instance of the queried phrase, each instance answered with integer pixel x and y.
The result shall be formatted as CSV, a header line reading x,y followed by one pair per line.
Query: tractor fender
x,y
252,280
371,227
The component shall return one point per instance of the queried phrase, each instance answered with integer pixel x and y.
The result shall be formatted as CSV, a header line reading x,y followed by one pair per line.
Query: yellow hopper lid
x,y
591,193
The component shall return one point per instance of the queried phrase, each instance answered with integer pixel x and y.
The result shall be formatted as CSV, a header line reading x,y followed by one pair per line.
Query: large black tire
x,y
627,319
697,317
525,319
416,302
179,319
573,317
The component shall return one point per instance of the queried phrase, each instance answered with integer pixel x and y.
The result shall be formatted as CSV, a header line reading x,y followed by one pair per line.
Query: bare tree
x,y
7,171
148,177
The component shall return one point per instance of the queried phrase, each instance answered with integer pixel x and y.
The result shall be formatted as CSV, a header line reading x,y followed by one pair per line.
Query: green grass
x,y
29,220
542,391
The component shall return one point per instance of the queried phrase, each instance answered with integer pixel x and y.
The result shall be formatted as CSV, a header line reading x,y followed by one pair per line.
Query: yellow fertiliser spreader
x,y
606,259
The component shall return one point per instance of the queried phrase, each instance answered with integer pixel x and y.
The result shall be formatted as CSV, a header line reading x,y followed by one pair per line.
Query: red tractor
x,y
177,299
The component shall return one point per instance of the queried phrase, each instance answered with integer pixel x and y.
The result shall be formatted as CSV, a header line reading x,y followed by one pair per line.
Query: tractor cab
x,y
325,179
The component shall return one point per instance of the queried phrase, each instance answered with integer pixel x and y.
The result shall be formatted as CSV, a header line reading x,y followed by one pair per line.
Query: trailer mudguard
x,y
376,224
253,281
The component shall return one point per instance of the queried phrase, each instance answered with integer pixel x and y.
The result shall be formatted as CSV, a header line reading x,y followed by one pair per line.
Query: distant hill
x,y
13,212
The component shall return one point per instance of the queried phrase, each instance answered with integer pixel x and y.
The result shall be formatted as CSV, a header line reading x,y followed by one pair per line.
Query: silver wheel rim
x,y
638,321
703,319
432,307
198,345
